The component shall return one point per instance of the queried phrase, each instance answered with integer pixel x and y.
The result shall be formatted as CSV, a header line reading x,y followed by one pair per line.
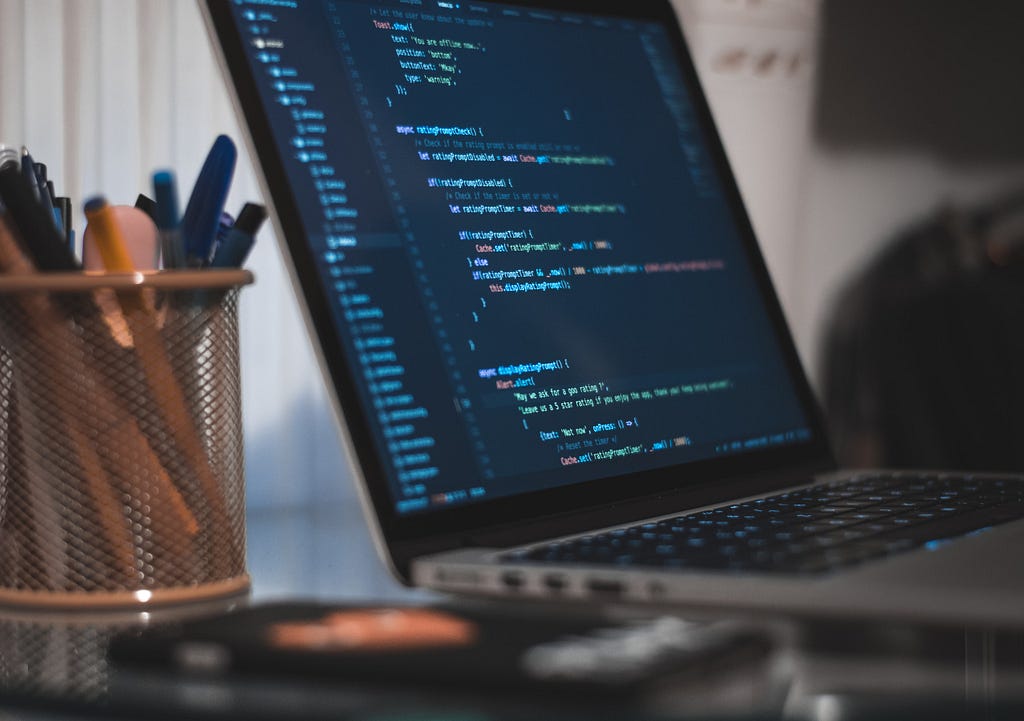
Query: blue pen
x,y
202,214
227,221
232,251
167,219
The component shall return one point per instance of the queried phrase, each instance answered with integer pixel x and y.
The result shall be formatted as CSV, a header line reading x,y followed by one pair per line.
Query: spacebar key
x,y
953,526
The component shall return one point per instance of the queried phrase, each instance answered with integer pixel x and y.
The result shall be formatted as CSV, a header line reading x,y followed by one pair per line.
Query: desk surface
x,y
56,668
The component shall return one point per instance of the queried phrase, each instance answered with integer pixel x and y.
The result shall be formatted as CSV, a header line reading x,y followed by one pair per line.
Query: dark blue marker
x,y
202,214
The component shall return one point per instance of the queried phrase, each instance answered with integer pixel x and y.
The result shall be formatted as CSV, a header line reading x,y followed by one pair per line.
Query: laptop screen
x,y
524,255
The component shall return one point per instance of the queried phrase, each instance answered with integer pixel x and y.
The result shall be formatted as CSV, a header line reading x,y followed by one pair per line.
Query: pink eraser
x,y
140,239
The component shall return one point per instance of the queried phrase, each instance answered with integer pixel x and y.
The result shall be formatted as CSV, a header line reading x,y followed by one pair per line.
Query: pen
x,y
202,214
38,232
232,251
167,219
30,169
147,205
52,326
42,180
13,259
104,231
64,204
39,497
45,181
139,238
225,224
157,369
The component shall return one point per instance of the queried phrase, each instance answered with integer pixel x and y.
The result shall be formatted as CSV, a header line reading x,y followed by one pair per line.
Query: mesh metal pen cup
x,y
121,456
64,656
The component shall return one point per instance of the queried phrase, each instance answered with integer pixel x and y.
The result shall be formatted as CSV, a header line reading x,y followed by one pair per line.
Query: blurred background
x,y
879,146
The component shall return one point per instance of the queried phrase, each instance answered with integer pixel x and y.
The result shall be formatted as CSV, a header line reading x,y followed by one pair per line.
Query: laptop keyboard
x,y
812,530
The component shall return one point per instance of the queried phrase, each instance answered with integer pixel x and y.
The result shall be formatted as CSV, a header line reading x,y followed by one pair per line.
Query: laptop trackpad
x,y
965,565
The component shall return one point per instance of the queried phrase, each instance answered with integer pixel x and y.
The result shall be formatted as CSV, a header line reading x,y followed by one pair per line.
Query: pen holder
x,y
121,456
62,656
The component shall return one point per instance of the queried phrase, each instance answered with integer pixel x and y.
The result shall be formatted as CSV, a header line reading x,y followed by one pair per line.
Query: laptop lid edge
x,y
397,567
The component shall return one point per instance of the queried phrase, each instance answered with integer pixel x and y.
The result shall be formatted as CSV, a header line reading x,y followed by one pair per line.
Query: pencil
x,y
116,536
131,464
109,241
157,369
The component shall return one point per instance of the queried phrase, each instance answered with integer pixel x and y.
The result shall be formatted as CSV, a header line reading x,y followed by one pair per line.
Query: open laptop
x,y
554,349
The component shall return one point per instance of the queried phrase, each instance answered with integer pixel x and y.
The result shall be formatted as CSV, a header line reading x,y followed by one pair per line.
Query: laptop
x,y
554,350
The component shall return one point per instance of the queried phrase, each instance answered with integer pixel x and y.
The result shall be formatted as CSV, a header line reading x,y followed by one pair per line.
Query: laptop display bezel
x,y
450,527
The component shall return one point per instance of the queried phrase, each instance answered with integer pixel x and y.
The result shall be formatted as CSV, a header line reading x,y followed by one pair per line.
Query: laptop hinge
x,y
584,519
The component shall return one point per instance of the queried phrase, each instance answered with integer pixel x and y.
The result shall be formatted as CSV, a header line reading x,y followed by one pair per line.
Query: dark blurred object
x,y
943,77
923,362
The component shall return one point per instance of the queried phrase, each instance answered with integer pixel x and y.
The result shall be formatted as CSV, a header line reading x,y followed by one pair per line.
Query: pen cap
x,y
201,219
251,218
166,192
147,205
232,251
168,220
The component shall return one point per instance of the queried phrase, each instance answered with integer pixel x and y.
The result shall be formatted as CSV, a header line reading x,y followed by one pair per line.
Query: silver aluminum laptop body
x,y
976,579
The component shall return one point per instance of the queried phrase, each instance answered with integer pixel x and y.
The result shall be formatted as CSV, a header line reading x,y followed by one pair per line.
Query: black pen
x,y
35,225
64,204
147,205
45,182
231,251
30,171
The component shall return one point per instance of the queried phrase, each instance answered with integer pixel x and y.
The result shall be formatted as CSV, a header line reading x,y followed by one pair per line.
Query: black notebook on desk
x,y
554,349
579,658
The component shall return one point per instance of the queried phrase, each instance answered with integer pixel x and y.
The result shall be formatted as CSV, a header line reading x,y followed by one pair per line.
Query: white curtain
x,y
106,91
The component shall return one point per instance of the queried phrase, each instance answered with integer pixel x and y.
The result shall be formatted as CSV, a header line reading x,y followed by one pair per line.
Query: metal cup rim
x,y
159,279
